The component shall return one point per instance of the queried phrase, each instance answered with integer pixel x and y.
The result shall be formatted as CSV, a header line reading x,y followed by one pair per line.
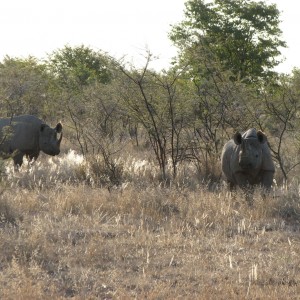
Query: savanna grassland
x,y
65,235
144,214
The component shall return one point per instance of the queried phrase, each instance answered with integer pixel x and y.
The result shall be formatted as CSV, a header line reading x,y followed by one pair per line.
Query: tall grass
x,y
66,232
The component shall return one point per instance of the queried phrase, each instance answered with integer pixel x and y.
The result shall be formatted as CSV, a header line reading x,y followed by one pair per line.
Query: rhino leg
x,y
267,179
231,186
32,157
18,159
243,182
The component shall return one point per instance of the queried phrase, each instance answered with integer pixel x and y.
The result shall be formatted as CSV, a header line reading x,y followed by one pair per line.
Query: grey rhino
x,y
27,135
246,160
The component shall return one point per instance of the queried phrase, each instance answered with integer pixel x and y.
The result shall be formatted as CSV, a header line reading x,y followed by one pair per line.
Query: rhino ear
x,y
237,138
261,137
43,126
58,128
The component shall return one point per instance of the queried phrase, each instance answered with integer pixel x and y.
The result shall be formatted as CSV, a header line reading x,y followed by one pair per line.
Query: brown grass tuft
x,y
62,236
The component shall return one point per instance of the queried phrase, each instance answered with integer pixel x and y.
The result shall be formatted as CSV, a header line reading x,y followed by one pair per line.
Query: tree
x,y
81,75
84,86
280,116
80,66
24,87
156,103
243,35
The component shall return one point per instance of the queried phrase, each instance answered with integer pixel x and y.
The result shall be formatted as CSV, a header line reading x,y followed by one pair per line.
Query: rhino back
x,y
21,119
23,135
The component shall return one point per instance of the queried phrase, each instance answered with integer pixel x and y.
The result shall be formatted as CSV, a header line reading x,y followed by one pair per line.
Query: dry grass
x,y
63,236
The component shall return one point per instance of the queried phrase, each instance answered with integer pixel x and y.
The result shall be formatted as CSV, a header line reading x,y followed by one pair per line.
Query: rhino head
x,y
250,150
48,141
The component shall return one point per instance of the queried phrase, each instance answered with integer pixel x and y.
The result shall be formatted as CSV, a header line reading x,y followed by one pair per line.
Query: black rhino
x,y
246,160
28,135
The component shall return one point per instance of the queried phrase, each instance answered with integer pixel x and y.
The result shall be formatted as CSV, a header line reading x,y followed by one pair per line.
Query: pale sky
x,y
118,27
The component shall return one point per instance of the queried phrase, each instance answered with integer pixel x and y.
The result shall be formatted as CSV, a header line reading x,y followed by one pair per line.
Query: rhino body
x,y
246,160
27,135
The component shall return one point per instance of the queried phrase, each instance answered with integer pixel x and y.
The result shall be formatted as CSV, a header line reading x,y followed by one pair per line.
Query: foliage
x,y
280,111
84,80
157,103
182,118
24,87
243,35
100,224
79,66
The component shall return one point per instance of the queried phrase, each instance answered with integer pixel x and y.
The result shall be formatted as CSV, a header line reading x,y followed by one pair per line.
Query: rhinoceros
x,y
246,160
28,135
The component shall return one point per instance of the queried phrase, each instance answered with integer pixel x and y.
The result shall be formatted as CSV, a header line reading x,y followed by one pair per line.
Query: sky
x,y
121,28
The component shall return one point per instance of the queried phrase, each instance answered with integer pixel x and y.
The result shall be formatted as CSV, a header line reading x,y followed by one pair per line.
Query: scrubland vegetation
x,y
134,206
63,235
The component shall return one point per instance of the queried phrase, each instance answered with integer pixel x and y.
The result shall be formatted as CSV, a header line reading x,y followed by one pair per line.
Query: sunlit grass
x,y
65,233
